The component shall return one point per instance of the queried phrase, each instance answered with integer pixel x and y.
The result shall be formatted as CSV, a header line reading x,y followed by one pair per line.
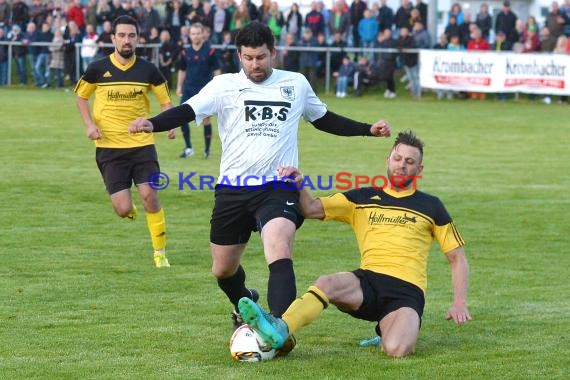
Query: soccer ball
x,y
247,346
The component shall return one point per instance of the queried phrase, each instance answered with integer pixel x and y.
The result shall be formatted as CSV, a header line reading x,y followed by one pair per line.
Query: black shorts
x,y
384,294
240,210
121,167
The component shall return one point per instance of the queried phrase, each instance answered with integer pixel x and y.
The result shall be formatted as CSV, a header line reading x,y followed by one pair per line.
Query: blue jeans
x,y
3,73
21,69
342,84
413,74
368,44
58,77
41,68
86,61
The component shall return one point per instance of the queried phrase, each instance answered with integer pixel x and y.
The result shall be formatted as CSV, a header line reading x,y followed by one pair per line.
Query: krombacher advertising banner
x,y
534,73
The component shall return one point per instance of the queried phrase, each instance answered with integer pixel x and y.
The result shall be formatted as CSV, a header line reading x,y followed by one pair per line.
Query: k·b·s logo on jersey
x,y
261,110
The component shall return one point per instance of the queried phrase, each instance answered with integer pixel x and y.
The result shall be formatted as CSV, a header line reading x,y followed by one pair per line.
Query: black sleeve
x,y
341,126
172,118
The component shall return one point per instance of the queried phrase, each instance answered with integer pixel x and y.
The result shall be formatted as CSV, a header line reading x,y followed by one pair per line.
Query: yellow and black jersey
x,y
394,230
121,96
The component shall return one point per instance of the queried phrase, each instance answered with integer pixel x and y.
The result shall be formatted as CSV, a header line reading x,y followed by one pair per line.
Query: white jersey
x,y
257,123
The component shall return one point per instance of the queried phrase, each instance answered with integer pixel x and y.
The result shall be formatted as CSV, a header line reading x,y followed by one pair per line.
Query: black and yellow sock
x,y
306,309
156,223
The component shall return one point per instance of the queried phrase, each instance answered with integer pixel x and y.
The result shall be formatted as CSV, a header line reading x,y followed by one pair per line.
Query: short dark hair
x,y
254,35
124,19
409,138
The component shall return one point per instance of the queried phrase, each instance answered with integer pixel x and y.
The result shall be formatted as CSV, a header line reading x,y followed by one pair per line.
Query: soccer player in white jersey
x,y
258,111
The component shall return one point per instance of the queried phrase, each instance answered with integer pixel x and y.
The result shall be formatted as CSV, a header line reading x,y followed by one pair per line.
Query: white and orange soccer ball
x,y
247,346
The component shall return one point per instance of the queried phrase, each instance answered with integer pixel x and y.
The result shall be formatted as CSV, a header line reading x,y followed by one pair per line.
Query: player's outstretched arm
x,y
458,312
343,126
164,121
311,207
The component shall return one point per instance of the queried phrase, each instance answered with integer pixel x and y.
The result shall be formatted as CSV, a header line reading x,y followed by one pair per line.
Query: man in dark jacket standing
x,y
505,22
410,61
357,9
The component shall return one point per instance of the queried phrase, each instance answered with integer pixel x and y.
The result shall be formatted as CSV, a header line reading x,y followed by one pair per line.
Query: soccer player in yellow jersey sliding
x,y
394,228
121,83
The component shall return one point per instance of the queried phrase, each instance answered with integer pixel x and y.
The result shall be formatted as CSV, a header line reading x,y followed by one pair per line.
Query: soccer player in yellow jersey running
x,y
394,228
121,83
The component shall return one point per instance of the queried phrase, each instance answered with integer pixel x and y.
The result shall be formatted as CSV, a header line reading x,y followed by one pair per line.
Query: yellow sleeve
x,y
84,89
162,93
338,207
448,237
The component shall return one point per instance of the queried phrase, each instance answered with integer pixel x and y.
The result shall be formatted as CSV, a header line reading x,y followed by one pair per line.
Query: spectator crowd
x,y
64,23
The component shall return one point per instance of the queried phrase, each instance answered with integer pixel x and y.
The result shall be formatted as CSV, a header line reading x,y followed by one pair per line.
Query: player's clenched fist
x,y
381,129
93,133
140,125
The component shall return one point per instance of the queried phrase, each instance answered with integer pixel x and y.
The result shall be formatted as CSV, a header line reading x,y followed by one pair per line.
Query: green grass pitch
x,y
80,298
